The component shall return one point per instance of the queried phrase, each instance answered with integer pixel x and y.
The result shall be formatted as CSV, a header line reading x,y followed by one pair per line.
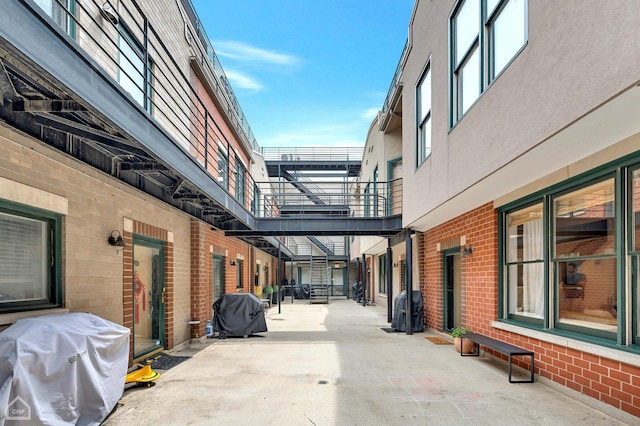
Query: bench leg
x,y
521,381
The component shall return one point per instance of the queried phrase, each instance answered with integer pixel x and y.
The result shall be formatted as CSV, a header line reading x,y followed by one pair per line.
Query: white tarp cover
x,y
61,369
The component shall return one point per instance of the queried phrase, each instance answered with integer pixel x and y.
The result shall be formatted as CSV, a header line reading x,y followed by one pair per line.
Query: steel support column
x,y
364,280
409,278
278,275
389,279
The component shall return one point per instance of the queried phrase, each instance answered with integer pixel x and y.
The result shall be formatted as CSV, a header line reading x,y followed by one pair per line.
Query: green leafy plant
x,y
459,331
267,290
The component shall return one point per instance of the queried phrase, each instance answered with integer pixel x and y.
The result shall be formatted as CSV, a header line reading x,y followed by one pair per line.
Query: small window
x,y
223,170
424,117
239,272
382,277
240,180
28,258
132,75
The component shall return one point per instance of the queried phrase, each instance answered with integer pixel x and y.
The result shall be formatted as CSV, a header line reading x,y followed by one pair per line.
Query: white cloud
x,y
370,114
245,52
242,81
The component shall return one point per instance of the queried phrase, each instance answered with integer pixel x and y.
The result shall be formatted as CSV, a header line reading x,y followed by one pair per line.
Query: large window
x,y
485,35
61,11
585,261
133,75
423,97
29,246
571,257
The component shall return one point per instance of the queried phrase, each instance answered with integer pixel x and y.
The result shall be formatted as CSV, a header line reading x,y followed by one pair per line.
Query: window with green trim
x,y
584,260
29,245
423,109
525,261
239,272
382,276
634,249
223,169
240,181
485,36
567,264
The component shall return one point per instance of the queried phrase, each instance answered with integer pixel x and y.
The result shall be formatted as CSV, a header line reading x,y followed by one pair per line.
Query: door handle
x,y
164,290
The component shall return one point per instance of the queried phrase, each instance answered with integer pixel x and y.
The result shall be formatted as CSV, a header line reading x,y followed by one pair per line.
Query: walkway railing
x,y
383,199
312,153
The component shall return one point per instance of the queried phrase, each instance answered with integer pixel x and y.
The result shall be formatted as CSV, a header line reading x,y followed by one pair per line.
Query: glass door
x,y
218,277
452,289
148,296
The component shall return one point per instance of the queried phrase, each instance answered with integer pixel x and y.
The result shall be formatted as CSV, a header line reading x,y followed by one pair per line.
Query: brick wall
x,y
479,271
612,382
96,276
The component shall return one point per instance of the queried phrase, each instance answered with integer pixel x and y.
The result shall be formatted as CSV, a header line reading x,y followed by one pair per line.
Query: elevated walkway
x,y
156,144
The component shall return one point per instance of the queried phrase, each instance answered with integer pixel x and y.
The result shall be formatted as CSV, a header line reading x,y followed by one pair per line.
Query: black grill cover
x,y
399,321
238,314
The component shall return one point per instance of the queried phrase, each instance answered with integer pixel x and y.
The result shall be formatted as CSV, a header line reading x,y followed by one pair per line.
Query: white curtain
x,y
533,292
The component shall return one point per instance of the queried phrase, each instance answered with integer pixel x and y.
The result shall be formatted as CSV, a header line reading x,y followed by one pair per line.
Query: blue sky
x,y
308,73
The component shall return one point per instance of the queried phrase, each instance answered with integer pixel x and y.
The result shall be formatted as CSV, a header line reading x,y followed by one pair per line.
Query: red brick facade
x,y
610,381
205,243
143,229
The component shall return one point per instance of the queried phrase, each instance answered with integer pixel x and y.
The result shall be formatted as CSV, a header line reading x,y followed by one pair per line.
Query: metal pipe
x,y
389,279
409,277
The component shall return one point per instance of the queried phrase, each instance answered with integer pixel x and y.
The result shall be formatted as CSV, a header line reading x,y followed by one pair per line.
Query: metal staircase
x,y
319,279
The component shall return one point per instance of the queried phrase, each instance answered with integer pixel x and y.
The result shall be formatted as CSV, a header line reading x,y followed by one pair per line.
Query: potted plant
x,y
274,294
468,344
266,293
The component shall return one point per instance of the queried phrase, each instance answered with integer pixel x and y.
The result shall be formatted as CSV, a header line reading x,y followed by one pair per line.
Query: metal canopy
x,y
53,91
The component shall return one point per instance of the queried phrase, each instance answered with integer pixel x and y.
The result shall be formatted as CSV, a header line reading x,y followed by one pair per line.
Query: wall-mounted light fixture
x,y
115,239
232,262
466,250
395,264
109,14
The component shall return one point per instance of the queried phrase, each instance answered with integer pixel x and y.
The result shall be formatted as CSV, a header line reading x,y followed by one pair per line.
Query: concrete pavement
x,y
333,365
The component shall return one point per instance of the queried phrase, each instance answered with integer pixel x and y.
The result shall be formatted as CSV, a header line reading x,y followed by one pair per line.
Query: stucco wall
x,y
565,70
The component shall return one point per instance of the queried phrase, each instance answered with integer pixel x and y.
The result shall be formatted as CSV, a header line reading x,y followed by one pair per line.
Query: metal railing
x,y
312,153
219,72
395,81
159,77
177,93
384,200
